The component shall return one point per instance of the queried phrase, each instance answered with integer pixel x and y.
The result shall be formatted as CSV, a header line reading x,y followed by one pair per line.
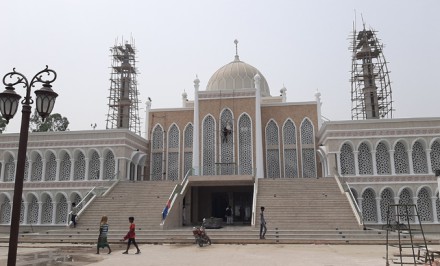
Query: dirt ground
x,y
182,255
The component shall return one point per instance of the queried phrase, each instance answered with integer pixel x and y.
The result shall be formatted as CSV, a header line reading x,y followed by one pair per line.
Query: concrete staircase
x,y
304,204
142,200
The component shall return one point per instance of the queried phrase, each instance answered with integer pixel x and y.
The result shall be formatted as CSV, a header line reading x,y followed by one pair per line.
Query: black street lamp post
x,y
9,99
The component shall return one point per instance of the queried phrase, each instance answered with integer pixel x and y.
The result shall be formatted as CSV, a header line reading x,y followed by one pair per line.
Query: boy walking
x,y
131,235
263,228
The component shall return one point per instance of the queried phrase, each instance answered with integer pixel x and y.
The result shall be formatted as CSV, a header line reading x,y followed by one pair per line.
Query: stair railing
x,y
345,188
178,188
91,195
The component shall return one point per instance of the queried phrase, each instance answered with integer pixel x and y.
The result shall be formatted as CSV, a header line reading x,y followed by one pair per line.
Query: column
x,y
28,178
258,134
2,172
57,176
356,162
410,162
25,212
196,132
147,119
86,174
43,171
393,167
378,212
428,161
338,162
101,168
115,176
416,220
40,211
373,157
72,169
54,212
434,209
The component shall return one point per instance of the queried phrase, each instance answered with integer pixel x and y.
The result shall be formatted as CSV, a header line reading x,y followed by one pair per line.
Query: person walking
x,y
102,239
74,213
131,235
263,227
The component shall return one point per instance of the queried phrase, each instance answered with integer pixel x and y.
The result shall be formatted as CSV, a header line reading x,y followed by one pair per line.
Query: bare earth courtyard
x,y
263,254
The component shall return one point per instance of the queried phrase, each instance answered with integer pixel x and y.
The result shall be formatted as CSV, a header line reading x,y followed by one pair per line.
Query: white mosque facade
x,y
230,134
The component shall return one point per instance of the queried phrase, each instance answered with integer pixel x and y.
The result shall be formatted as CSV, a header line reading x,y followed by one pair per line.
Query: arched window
x,y
65,167
61,211
424,205
369,209
406,198
37,168
245,145
386,198
435,156
157,154
227,143
272,150
80,167
383,159
364,159
32,216
173,153
347,160
5,210
208,146
51,167
188,149
109,166
401,159
308,149
94,166
47,210
420,164
10,169
290,155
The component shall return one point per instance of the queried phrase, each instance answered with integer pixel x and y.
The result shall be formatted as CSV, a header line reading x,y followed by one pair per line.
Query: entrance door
x,y
242,207
219,204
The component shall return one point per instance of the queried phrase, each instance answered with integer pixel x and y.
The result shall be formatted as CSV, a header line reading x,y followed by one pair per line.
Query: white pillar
x,y
40,211
393,167
318,108
2,175
25,212
72,169
410,162
434,208
147,119
428,161
57,175
258,134
379,215
196,132
101,168
43,171
356,162
86,174
338,162
29,173
54,212
373,157
416,220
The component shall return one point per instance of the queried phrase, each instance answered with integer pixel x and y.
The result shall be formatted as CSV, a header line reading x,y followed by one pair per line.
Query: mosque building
x,y
218,145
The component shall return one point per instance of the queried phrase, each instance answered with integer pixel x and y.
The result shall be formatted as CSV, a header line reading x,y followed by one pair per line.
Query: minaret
x,y
370,83
184,99
318,108
258,130
147,118
196,131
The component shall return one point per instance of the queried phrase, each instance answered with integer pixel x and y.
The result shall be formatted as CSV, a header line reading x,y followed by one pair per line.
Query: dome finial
x,y
236,50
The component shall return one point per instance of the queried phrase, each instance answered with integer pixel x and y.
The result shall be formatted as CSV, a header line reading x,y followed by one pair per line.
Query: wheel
x,y
208,240
200,242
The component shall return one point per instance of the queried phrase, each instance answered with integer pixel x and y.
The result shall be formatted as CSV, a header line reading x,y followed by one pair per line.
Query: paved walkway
x,y
182,255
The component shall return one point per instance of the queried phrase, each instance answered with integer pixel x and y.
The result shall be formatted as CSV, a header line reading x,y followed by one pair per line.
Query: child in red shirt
x,y
131,236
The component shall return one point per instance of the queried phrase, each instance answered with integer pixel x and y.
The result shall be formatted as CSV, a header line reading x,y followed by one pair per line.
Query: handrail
x,y
345,188
177,189
84,203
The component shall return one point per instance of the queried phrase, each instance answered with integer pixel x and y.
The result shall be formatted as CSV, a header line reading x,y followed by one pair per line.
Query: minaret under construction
x,y
123,103
370,84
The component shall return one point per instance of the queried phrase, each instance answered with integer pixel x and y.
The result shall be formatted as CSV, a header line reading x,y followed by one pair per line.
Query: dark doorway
x,y
219,204
242,207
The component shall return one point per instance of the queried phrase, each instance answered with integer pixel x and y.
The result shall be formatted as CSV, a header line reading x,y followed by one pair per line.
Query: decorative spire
x,y
236,50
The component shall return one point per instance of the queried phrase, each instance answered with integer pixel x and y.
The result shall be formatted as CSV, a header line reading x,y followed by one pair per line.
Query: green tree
x,y
55,122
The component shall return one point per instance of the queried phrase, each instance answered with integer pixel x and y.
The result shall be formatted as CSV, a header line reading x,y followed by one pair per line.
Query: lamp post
x,y
9,99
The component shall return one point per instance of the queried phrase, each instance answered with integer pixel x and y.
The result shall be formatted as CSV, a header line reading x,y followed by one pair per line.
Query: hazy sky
x,y
301,44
